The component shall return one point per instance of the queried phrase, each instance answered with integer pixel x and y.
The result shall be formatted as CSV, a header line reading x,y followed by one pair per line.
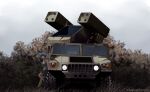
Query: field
x,y
113,88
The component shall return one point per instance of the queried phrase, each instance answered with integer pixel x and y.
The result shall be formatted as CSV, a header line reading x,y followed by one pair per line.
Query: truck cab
x,y
79,61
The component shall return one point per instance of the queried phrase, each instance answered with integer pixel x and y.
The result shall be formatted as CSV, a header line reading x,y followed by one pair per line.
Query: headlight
x,y
96,67
64,67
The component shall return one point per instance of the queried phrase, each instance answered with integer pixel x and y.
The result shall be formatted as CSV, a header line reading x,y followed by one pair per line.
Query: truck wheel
x,y
49,82
108,81
104,81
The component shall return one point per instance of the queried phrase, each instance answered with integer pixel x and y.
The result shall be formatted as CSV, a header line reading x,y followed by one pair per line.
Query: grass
x,y
112,88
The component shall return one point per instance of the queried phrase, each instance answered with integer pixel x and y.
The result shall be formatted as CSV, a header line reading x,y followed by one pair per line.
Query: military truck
x,y
76,52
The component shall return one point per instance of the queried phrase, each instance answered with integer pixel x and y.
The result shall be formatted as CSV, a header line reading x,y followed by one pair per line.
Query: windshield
x,y
90,50
74,50
66,49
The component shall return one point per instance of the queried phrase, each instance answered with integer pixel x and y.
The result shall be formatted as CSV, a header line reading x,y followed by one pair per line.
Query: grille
x,y
80,68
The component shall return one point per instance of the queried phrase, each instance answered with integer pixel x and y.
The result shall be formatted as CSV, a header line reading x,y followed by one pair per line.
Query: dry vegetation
x,y
131,69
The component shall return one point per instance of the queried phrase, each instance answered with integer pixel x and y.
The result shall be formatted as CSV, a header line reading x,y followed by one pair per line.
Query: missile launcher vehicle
x,y
76,52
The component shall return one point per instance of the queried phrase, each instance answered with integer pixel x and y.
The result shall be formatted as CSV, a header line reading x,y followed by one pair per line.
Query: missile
x,y
91,22
56,20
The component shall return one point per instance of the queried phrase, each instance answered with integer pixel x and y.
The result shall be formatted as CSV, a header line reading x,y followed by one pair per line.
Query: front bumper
x,y
81,71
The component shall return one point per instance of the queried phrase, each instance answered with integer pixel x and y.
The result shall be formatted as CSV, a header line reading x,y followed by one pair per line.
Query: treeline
x,y
130,68
21,69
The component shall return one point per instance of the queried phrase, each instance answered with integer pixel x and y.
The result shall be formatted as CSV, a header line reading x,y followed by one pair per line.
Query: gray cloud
x,y
24,20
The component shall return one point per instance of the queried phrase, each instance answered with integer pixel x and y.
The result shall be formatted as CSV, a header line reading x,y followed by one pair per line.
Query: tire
x,y
108,81
49,82
103,81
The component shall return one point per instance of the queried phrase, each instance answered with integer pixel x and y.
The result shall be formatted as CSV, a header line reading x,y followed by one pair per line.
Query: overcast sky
x,y
23,20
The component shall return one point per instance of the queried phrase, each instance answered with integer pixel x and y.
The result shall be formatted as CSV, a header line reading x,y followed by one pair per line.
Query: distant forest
x,y
131,68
